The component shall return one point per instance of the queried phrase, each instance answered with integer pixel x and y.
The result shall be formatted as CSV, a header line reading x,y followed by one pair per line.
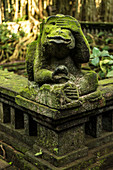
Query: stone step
x,y
92,142
103,162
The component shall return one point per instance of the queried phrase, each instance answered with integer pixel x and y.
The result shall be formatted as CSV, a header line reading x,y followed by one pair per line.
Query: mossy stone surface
x,y
12,84
49,97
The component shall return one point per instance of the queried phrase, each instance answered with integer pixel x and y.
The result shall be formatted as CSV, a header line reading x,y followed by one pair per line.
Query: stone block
x,y
61,142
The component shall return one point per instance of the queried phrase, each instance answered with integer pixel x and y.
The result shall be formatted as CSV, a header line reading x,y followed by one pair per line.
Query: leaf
x,y
111,56
10,163
110,34
101,74
104,53
108,40
91,56
39,153
103,67
96,52
100,34
56,150
110,74
111,62
105,47
105,61
95,61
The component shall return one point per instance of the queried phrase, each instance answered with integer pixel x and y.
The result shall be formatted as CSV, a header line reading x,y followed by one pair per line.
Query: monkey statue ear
x,y
82,49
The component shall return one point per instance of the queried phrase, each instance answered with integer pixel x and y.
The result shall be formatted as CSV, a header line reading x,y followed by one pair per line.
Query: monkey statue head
x,y
65,37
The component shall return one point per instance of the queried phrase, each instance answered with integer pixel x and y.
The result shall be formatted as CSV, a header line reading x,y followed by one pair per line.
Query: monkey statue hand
x,y
60,74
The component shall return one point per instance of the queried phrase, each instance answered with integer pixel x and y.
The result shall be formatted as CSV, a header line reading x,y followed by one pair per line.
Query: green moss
x,y
45,87
43,76
31,105
93,96
69,21
87,82
106,82
19,156
11,84
31,52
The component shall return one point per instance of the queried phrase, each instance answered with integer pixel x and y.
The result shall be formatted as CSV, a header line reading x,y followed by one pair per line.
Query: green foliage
x,y
102,63
8,41
102,40
56,150
21,18
39,153
10,163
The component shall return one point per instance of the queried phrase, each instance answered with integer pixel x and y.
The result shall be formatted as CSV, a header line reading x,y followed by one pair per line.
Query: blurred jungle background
x,y
20,22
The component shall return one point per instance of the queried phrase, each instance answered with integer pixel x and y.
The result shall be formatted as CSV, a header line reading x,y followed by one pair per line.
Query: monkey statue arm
x,y
43,76
60,74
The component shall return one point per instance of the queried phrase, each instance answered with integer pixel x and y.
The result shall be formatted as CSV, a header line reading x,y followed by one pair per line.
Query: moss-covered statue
x,y
54,62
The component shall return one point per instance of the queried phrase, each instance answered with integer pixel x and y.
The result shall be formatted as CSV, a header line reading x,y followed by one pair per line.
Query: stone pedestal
x,y
38,133
60,133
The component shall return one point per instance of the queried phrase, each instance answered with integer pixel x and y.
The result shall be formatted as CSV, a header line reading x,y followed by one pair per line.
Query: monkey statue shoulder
x,y
55,58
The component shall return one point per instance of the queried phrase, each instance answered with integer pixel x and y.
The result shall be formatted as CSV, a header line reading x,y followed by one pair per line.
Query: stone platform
x,y
35,136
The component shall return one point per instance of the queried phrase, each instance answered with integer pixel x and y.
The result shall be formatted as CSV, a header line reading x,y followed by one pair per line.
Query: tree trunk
x,y
36,9
106,10
22,8
74,9
88,10
6,15
11,10
0,12
109,11
29,8
40,9
16,9
83,10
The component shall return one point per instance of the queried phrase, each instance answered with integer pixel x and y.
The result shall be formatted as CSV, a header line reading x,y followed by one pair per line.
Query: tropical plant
x,y
14,46
102,40
7,40
102,63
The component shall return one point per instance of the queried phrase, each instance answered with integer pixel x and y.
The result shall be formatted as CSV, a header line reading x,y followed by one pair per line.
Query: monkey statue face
x,y
59,33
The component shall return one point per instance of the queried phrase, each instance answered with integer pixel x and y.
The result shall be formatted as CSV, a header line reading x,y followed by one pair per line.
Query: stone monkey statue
x,y
57,55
